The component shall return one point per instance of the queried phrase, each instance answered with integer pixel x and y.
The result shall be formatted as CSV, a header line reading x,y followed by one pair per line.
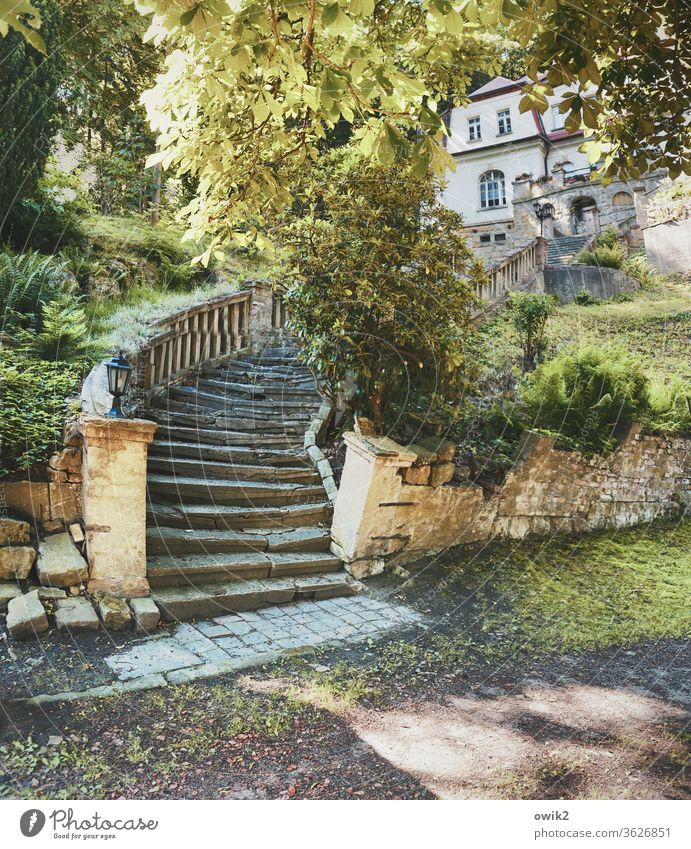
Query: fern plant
x,y
27,282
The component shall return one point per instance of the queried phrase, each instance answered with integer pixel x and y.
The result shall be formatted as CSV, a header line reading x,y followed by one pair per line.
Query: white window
x,y
492,189
558,119
504,121
474,128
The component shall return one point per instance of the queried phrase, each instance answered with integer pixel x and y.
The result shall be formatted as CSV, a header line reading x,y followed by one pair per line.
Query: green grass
x,y
577,593
531,599
654,325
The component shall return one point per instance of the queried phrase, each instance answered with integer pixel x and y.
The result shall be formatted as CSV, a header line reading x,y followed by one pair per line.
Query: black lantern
x,y
543,213
119,371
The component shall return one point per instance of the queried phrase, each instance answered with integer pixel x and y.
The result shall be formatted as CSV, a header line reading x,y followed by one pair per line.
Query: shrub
x,y
63,334
637,266
529,314
32,412
604,256
585,299
671,202
610,237
588,398
382,287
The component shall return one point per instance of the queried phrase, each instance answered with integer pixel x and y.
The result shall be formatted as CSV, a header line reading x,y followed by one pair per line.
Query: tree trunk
x,y
156,195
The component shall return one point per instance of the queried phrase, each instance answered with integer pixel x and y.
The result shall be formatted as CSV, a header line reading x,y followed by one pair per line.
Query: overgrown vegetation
x,y
671,202
529,313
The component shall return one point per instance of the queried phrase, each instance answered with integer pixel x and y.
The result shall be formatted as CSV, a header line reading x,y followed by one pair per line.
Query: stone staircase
x,y
237,515
562,249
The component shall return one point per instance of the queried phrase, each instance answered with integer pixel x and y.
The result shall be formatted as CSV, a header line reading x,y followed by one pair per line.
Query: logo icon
x,y
32,822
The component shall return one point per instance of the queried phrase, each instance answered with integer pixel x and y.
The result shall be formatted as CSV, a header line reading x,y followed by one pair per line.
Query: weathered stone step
x,y
191,396
231,454
218,436
227,516
206,600
222,422
161,540
165,540
297,395
256,493
190,467
208,568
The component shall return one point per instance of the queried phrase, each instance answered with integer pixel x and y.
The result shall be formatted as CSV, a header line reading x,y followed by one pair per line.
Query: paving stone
x,y
76,614
51,593
235,625
14,531
16,561
114,612
151,658
146,615
59,562
26,616
231,645
7,592
212,629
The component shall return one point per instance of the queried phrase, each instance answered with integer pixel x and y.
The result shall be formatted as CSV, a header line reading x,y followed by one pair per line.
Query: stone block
x,y
7,593
416,475
59,562
146,615
26,616
330,487
16,561
441,473
28,498
67,460
443,448
316,455
423,456
113,612
324,468
76,614
51,593
13,531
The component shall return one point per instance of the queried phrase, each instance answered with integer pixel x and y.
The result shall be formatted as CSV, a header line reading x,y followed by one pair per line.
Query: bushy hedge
x,y
588,398
33,396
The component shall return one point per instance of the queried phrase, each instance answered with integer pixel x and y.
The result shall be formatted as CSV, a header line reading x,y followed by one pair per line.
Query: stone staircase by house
x,y
562,249
237,515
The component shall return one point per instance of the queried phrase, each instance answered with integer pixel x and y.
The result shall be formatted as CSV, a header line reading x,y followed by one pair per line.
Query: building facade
x,y
506,160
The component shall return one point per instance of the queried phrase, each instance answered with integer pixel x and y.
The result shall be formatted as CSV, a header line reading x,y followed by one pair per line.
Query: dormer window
x,y
474,133
504,121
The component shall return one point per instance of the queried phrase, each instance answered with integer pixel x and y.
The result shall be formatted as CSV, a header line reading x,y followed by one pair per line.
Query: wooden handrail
x,y
193,336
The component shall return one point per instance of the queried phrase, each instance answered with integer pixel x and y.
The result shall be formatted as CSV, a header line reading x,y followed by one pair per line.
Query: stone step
x,y
296,394
208,600
239,454
238,517
161,540
191,570
190,467
255,493
221,422
164,540
218,436
269,410
191,396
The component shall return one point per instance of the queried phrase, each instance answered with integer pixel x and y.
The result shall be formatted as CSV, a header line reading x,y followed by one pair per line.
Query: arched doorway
x,y
585,216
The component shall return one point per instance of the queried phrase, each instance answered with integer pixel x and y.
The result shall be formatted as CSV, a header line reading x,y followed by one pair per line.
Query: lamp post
x,y
543,212
119,372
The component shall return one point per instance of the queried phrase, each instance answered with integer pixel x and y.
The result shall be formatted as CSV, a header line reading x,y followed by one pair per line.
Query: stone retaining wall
x,y
567,281
668,246
379,518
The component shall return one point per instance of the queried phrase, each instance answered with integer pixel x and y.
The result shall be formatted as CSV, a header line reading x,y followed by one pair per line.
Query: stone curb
x,y
314,437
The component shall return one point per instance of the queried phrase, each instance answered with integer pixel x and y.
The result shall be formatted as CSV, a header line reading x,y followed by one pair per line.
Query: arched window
x,y
492,189
622,199
568,167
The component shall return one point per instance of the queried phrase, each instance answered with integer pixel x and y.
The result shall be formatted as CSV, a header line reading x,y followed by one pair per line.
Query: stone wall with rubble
x,y
419,504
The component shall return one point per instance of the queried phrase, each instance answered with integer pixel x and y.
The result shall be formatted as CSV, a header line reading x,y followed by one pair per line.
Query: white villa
x,y
505,160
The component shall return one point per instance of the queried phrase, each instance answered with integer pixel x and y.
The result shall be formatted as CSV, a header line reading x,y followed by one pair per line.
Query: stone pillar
x,y
261,307
640,202
114,503
369,485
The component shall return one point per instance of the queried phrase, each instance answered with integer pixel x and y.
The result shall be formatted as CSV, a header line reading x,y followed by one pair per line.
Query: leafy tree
x,y
382,285
24,17
29,107
249,86
529,314
107,67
